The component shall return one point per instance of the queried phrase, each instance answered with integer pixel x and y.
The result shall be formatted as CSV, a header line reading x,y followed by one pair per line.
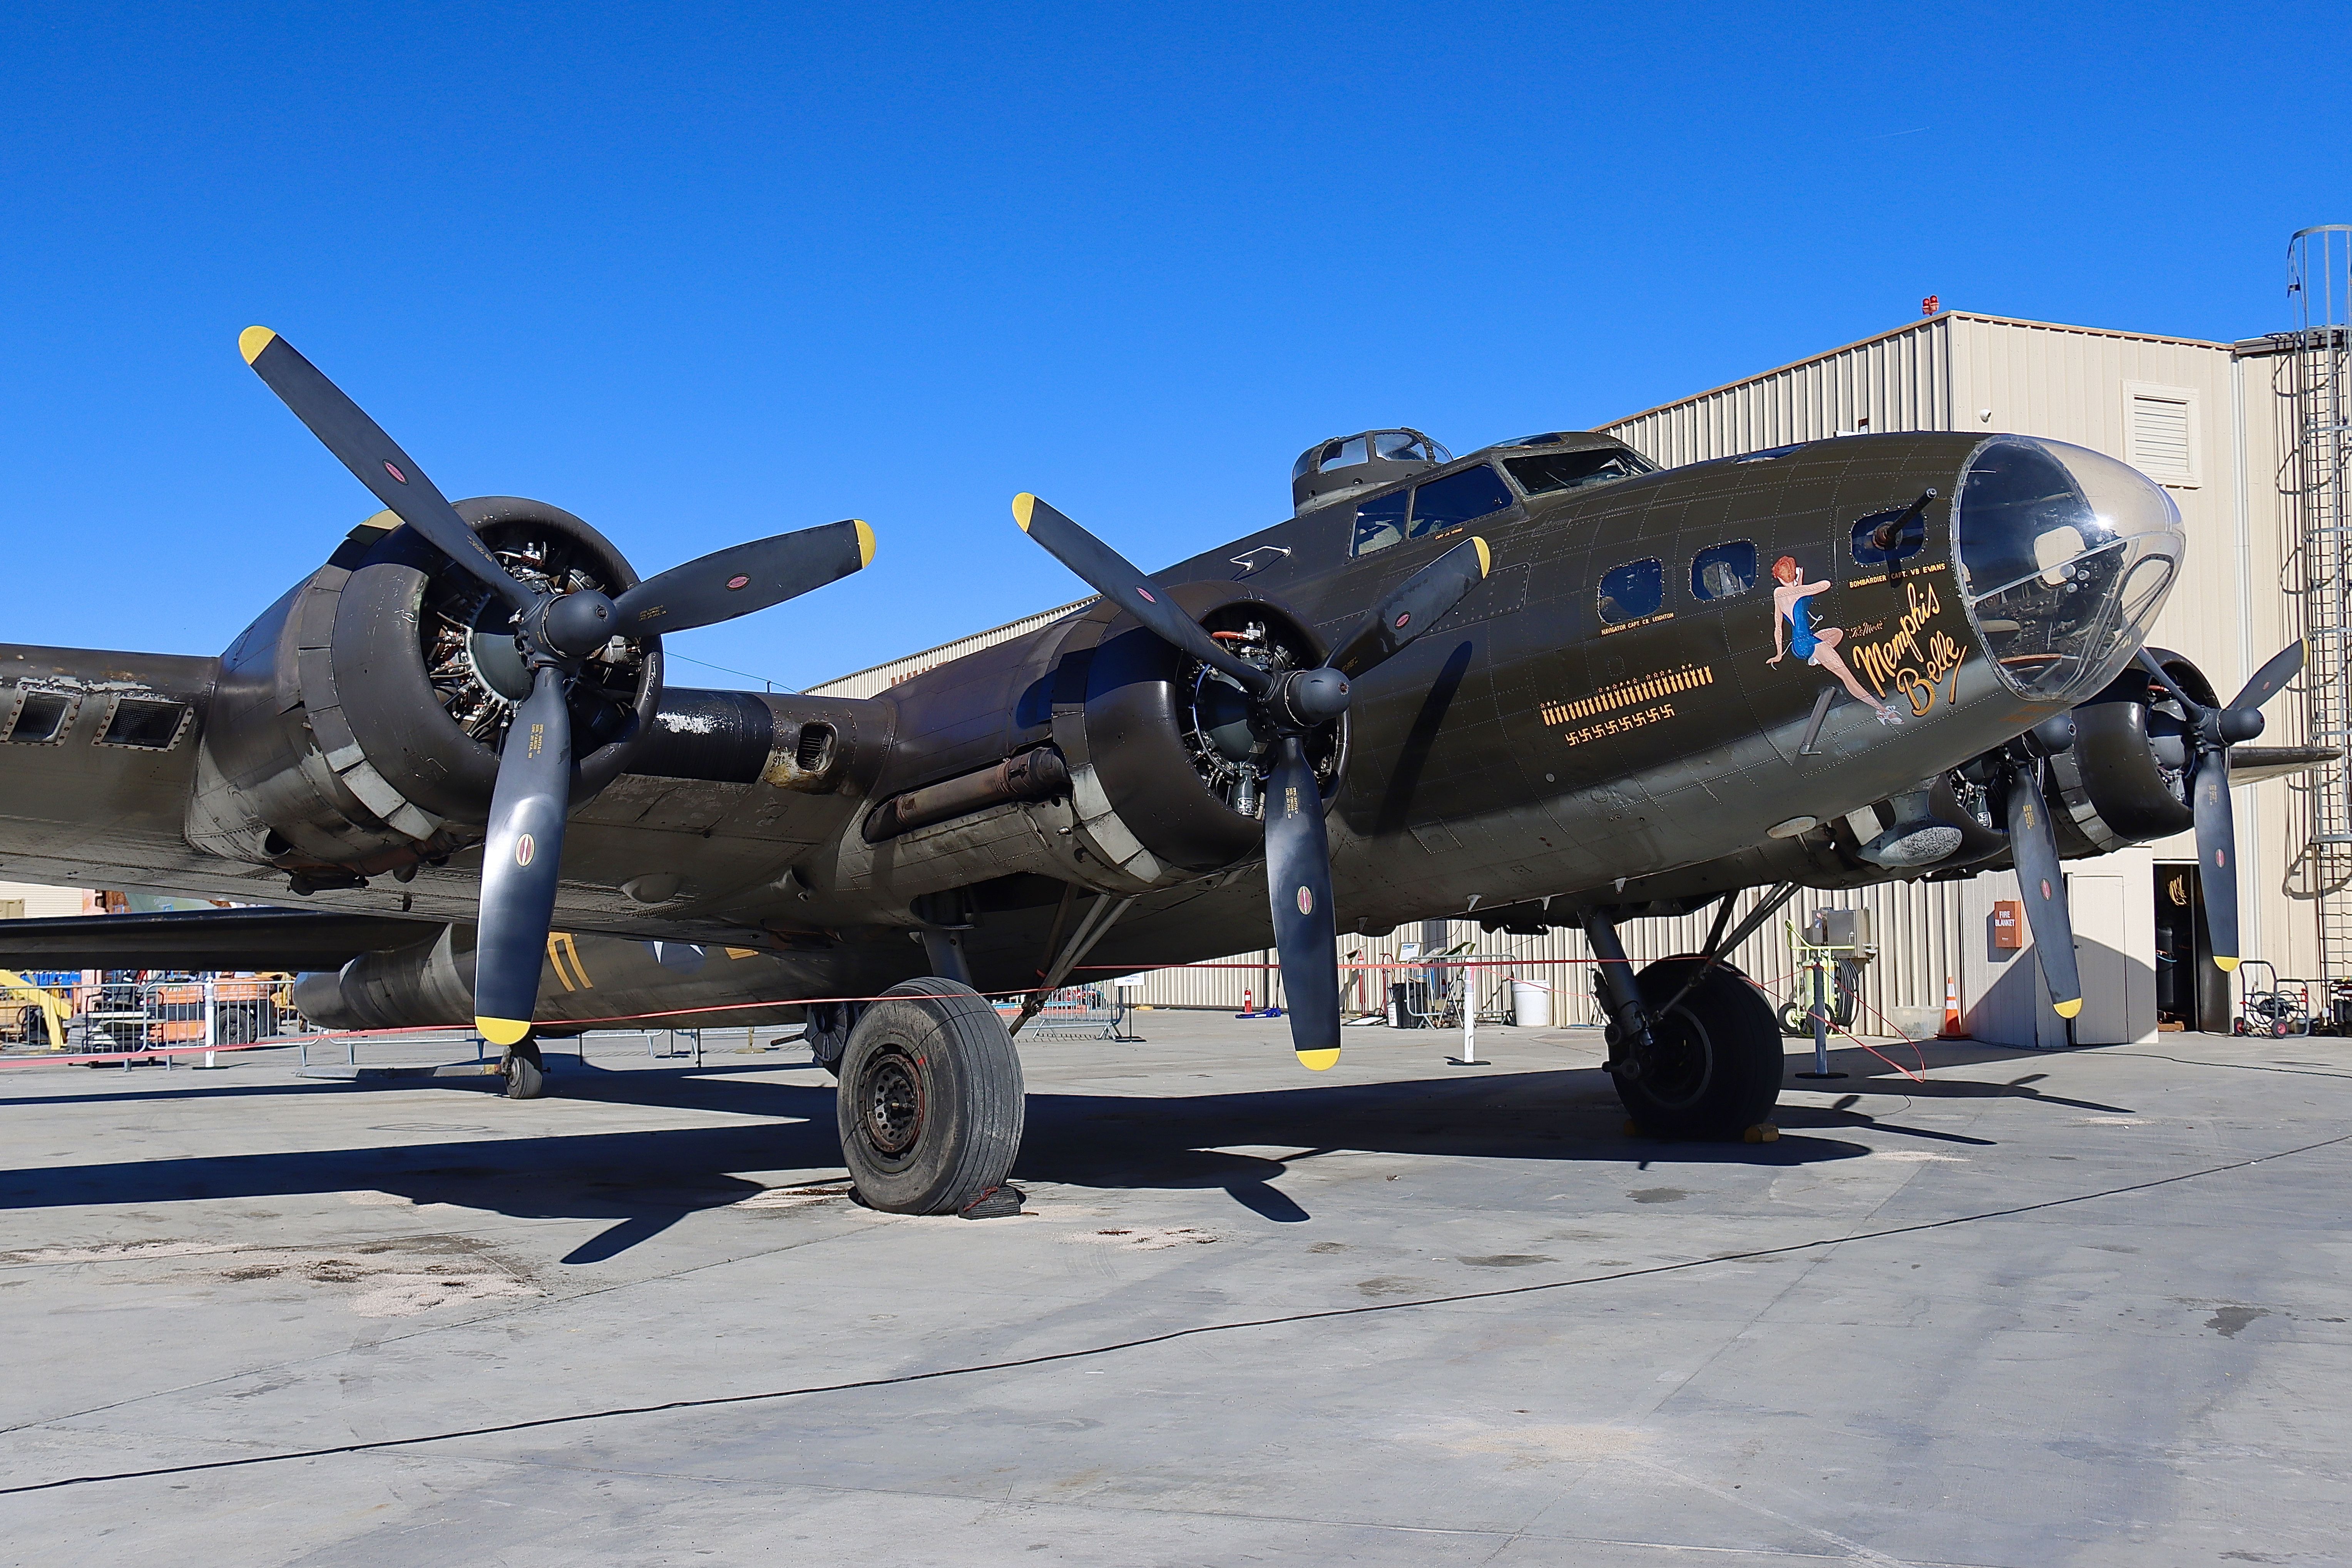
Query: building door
x,y
2191,992
2096,903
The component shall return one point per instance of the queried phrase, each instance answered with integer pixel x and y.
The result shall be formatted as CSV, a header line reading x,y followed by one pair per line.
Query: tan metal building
x,y
2216,424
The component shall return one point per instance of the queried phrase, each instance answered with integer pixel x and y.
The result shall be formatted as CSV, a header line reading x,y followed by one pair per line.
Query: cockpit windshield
x,y
1573,471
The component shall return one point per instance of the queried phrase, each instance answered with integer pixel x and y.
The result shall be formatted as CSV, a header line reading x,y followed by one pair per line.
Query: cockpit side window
x,y
1456,498
1380,522
1551,471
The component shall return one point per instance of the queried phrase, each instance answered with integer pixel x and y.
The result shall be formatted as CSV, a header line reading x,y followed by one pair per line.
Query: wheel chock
x,y
1762,1132
997,1203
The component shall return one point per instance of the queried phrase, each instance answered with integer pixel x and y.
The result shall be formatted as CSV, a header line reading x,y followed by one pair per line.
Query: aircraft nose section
x,y
2064,556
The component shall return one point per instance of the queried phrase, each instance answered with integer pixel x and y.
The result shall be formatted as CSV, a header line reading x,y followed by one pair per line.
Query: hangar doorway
x,y
2191,993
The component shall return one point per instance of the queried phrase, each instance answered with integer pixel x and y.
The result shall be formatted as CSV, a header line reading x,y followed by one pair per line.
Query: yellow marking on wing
x,y
570,950
740,952
502,1031
1486,556
2226,965
555,961
1319,1061
1024,506
865,543
2067,1009
252,341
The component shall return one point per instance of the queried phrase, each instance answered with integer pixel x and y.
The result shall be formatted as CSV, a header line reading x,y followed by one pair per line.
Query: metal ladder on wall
x,y
2314,378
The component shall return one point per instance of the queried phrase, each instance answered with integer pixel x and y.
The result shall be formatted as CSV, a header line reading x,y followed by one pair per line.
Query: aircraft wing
x,y
195,939
2252,764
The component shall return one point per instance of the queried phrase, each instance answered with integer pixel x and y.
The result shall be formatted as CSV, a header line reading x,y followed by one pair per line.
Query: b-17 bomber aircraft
x,y
1548,683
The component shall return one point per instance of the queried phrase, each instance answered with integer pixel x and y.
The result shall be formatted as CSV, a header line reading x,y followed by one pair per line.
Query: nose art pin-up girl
x,y
1793,631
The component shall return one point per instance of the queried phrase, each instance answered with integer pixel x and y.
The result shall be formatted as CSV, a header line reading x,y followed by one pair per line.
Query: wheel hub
x,y
890,1103
1680,1061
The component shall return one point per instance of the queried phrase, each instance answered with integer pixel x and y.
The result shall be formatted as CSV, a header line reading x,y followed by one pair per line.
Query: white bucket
x,y
1530,1005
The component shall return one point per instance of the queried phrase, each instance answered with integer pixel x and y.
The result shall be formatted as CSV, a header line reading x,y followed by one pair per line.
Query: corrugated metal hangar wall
x,y
2206,419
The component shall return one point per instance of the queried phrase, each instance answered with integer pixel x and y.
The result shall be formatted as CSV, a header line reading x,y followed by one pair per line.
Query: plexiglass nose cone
x,y
2064,556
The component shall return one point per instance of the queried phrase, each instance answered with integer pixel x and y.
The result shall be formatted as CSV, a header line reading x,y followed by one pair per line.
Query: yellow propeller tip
x,y
1024,505
1319,1061
502,1031
2067,1009
865,543
2225,964
1486,556
252,341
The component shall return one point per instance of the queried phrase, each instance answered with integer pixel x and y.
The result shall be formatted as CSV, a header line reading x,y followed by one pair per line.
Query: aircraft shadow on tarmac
x,y
646,1182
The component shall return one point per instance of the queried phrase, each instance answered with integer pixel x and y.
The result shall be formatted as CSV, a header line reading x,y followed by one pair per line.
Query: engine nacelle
x,y
1131,766
355,727
2125,779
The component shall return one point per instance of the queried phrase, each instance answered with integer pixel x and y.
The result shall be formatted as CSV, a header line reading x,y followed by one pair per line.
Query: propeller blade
x,y
2033,847
1417,605
1299,890
2188,705
527,809
2217,848
1111,574
2284,667
742,578
344,428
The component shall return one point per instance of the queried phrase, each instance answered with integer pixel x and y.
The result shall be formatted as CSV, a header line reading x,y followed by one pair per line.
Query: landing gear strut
x,y
931,1101
1693,1046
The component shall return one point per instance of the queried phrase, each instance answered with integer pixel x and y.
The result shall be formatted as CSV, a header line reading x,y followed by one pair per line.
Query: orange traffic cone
x,y
1951,1030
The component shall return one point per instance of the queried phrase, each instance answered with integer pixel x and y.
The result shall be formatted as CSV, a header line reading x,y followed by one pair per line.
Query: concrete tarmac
x,y
2021,1309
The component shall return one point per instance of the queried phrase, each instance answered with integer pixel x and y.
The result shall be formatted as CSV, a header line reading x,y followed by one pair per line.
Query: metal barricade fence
x,y
68,1013
1080,1012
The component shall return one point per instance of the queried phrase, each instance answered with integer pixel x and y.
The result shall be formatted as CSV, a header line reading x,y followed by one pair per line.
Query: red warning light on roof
x,y
1927,306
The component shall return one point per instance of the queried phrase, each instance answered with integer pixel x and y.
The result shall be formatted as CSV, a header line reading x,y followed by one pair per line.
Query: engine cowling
x,y
1131,766
1172,749
356,724
2125,779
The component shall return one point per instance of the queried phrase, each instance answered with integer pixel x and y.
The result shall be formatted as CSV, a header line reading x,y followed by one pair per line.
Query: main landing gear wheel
x,y
525,1072
1714,1069
932,1100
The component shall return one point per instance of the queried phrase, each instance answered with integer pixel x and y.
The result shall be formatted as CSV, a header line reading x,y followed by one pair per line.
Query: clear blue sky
x,y
703,273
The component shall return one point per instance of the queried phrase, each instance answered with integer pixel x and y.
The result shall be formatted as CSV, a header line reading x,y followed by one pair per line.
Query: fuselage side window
x,y
1720,570
1380,522
1457,499
1884,538
1550,471
1632,592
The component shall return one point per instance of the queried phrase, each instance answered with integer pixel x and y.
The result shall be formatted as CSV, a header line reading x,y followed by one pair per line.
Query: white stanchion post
x,y
212,1018
1470,1007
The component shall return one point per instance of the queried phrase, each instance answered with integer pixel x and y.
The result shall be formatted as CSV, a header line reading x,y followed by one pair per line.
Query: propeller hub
x,y
2240,725
2053,735
577,624
1313,698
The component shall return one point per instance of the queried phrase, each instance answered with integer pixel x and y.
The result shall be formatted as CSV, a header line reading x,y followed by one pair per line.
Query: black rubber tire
x,y
1720,1064
1794,1021
931,1101
525,1072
